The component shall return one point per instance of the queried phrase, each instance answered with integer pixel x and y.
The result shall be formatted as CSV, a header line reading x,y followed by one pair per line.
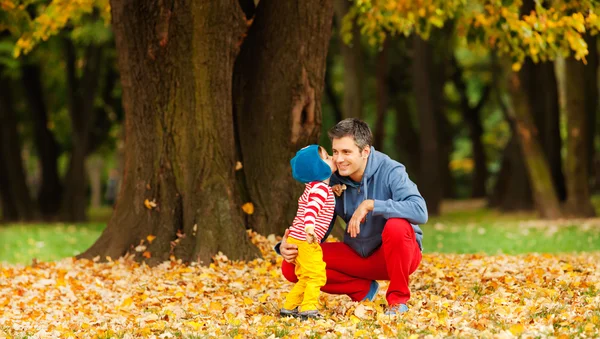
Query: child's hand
x,y
310,234
338,189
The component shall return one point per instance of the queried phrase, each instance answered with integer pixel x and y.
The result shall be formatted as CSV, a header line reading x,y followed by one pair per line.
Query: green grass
x,y
464,227
20,243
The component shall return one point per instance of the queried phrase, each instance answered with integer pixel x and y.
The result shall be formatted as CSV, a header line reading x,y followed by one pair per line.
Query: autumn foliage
x,y
453,295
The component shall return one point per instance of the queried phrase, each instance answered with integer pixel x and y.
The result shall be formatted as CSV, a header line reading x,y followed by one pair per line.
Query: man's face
x,y
348,157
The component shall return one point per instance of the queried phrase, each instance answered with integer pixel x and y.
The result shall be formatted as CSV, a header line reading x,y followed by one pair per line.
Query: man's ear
x,y
366,151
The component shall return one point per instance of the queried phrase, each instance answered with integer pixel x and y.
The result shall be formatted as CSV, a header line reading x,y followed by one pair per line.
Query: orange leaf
x,y
150,238
147,254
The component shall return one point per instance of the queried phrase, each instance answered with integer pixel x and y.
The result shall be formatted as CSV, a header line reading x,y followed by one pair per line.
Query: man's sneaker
x,y
312,314
288,313
396,309
372,291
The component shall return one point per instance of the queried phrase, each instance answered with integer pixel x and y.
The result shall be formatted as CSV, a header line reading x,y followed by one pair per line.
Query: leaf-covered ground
x,y
453,295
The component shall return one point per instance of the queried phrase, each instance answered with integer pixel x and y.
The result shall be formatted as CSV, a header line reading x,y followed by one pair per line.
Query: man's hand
x,y
338,189
359,217
289,252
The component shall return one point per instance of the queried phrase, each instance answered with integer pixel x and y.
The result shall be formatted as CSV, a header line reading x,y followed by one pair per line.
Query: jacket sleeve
x,y
406,201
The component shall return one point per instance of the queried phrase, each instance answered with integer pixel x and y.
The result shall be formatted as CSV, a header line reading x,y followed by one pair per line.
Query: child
x,y
312,166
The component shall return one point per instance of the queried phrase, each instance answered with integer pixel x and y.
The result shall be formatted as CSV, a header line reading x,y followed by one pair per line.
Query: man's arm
x,y
406,201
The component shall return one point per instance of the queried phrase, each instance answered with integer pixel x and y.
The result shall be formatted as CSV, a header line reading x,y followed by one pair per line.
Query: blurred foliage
x,y
554,28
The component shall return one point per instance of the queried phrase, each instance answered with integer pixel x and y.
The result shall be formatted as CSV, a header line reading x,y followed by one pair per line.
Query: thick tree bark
x,y
176,63
430,184
381,85
13,185
577,161
51,189
544,194
278,81
353,60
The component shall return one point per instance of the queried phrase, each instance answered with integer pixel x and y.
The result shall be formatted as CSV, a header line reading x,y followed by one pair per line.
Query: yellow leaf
x,y
149,204
238,166
248,208
127,302
194,325
215,306
516,66
517,329
150,238
248,301
263,298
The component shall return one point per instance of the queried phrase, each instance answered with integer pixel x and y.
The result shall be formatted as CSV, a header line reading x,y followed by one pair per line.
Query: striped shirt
x,y
315,207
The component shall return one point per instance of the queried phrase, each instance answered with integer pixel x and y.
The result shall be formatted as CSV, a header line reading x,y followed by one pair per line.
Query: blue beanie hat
x,y
307,165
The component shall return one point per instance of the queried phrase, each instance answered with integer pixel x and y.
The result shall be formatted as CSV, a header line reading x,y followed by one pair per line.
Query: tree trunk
x,y
176,63
82,93
539,80
577,161
591,97
381,84
95,165
430,184
15,193
544,194
471,116
512,190
353,60
406,138
51,189
291,36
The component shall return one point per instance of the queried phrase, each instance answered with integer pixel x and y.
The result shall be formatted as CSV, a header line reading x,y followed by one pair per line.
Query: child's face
x,y
328,159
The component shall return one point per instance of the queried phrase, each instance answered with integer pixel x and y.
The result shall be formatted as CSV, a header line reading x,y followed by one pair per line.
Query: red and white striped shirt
x,y
315,207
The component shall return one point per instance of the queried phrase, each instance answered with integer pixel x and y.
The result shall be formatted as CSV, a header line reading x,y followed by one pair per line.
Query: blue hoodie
x,y
395,195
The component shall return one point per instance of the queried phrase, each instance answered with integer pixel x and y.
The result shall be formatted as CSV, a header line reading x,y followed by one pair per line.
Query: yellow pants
x,y
310,270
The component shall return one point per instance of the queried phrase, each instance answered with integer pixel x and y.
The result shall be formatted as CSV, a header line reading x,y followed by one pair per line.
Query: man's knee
x,y
289,271
397,229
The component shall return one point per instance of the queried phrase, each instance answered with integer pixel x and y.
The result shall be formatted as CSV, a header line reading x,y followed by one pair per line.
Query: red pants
x,y
348,273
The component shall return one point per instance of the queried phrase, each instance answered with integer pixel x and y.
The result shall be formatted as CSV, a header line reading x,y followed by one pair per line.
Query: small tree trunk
x,y
176,64
540,82
471,116
82,93
591,98
51,189
353,60
15,193
297,34
577,162
544,194
94,169
381,84
512,190
430,185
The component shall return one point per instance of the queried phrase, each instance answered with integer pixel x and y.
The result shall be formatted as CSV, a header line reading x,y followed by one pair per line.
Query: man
x,y
381,207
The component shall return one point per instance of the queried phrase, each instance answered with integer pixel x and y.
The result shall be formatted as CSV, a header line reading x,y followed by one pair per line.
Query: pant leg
x,y
313,273
350,274
402,257
347,272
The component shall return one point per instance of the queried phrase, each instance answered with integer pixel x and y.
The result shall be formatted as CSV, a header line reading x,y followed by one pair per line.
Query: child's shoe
x,y
288,313
312,314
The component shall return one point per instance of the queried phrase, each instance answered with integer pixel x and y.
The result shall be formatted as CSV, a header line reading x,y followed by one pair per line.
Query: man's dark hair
x,y
355,128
